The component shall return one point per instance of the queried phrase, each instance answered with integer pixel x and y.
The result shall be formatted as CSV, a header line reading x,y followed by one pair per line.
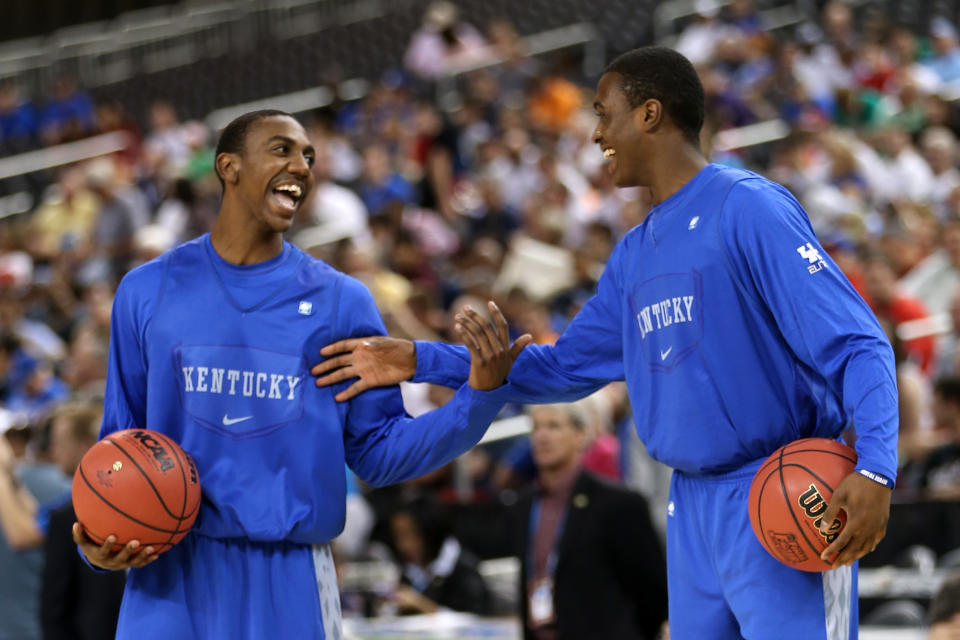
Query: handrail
x,y
295,102
62,154
750,135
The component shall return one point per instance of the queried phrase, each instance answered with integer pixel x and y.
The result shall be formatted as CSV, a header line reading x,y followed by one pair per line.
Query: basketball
x,y
789,494
136,485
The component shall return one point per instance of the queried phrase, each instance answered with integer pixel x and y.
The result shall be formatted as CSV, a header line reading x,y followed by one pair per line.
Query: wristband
x,y
879,478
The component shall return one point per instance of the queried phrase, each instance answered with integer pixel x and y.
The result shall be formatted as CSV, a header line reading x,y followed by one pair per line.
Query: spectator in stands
x,y
892,304
948,357
946,52
18,120
936,279
69,113
442,43
436,571
167,145
24,483
41,391
592,566
700,37
66,219
944,613
77,603
123,209
381,184
939,472
939,146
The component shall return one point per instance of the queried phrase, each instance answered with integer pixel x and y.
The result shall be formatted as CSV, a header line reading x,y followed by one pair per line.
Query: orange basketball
x,y
790,493
136,485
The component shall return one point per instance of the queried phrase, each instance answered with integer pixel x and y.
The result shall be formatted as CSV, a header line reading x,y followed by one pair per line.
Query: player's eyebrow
x,y
290,141
279,138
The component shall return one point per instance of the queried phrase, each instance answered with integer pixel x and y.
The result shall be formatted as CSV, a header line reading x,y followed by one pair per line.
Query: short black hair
x,y
234,135
432,520
660,73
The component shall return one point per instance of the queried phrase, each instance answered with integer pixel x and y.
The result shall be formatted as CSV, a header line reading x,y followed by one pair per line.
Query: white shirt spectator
x,y
335,213
443,43
934,280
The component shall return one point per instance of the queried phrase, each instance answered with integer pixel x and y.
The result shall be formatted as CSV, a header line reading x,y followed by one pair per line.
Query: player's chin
x,y
280,219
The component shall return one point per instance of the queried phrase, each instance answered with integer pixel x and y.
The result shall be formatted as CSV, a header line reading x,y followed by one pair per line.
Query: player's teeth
x,y
609,153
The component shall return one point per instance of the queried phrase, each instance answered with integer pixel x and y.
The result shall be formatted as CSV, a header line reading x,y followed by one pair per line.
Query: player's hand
x,y
131,556
377,361
867,504
491,354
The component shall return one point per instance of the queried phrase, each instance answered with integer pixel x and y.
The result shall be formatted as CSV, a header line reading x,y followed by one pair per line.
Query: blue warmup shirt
x,y
217,357
734,330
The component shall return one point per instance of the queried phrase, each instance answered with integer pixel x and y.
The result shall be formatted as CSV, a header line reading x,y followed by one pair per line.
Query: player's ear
x,y
228,167
648,115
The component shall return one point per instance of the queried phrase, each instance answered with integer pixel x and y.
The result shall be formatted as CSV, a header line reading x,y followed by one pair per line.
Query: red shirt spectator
x,y
888,302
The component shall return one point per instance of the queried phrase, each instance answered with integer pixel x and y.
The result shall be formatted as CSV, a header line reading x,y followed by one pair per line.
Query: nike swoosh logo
x,y
227,421
663,356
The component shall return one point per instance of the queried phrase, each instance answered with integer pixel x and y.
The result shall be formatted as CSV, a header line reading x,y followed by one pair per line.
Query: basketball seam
x,y
800,529
810,471
146,477
83,476
759,510
823,451
184,478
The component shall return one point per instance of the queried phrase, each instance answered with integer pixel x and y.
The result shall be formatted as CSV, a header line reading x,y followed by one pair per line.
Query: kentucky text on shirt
x,y
664,313
254,383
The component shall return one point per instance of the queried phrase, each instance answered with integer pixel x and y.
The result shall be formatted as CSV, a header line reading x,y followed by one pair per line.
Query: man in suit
x,y
592,566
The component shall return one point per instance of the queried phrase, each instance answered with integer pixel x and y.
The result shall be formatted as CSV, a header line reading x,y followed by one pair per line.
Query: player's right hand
x,y
131,556
378,361
491,354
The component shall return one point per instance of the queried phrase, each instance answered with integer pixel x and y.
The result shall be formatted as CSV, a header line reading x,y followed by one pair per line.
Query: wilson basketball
x,y
136,485
790,493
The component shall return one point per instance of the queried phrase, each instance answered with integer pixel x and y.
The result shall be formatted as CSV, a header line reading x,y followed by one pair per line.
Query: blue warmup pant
x,y
724,586
235,589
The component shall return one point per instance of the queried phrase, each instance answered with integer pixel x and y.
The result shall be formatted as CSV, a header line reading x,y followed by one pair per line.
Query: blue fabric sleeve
x,y
774,251
125,397
383,444
588,355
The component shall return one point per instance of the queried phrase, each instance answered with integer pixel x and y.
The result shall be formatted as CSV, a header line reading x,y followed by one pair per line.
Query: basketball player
x,y
210,344
736,334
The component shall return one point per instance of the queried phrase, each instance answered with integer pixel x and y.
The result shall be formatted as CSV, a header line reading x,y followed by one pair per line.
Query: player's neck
x,y
678,163
239,242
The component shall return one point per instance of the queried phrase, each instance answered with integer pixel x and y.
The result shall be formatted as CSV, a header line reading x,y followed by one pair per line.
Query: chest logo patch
x,y
668,312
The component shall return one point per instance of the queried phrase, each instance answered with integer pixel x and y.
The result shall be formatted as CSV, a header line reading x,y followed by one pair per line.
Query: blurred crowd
x,y
469,173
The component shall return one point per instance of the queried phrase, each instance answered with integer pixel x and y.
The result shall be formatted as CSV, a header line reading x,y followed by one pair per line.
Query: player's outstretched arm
x,y
379,361
867,505
131,556
384,446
